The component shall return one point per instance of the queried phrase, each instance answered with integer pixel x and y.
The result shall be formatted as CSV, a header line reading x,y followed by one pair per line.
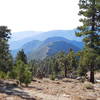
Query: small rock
x,y
79,78
68,96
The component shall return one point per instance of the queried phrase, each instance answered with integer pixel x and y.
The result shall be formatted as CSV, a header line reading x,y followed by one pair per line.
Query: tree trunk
x,y
65,72
92,74
26,85
92,43
65,68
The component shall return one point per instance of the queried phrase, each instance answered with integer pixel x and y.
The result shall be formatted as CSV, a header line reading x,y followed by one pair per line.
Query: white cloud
x,y
39,15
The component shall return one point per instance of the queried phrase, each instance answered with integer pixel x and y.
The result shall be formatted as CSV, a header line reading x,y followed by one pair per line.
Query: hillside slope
x,y
51,46
20,38
36,49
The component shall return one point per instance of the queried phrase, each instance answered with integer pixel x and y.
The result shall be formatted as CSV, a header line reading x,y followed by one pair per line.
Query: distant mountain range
x,y
52,46
37,49
18,39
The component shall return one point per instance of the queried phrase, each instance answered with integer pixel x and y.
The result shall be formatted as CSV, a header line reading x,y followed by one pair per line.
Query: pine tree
x,y
82,66
55,67
90,30
22,73
5,56
62,59
21,56
33,67
72,61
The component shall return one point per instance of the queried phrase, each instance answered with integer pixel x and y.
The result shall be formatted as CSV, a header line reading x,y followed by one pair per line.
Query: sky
x,y
39,15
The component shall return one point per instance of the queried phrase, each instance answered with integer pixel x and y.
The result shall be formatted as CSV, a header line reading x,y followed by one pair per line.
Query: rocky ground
x,y
45,89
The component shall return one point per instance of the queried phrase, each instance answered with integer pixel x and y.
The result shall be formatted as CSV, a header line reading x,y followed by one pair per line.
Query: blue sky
x,y
39,15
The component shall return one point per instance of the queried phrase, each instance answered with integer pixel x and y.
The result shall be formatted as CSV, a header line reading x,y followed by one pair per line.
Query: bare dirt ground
x,y
45,89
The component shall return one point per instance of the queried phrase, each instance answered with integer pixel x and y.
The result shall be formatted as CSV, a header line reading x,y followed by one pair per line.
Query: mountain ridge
x,y
40,49
68,34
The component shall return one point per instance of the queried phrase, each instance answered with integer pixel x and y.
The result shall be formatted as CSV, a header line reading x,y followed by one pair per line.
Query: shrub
x,y
26,77
13,73
52,77
3,75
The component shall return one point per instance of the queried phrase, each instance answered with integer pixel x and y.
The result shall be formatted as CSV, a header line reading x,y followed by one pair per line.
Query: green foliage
x,y
33,67
5,57
21,56
60,64
72,60
2,75
82,68
55,66
52,76
90,30
63,62
68,62
21,72
13,73
28,77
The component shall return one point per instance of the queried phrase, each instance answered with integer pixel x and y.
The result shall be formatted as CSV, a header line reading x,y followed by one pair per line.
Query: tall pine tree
x,y
5,57
90,30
